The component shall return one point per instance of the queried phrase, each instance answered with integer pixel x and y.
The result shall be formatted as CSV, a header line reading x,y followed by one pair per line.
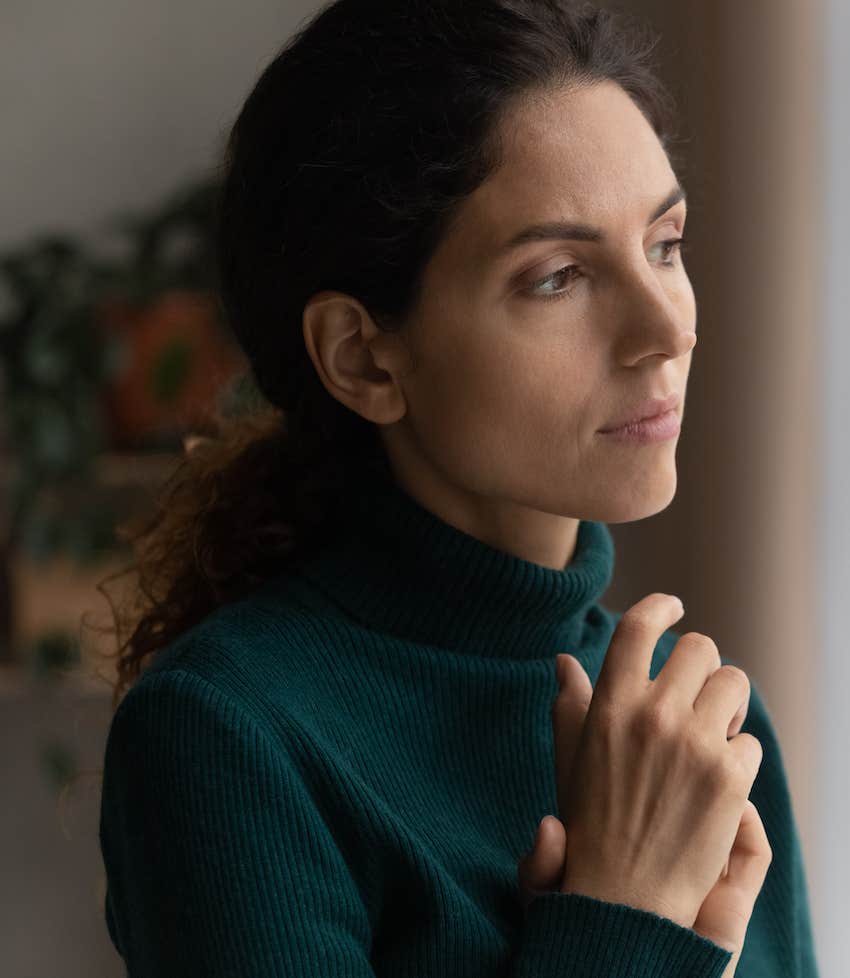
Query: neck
x,y
404,571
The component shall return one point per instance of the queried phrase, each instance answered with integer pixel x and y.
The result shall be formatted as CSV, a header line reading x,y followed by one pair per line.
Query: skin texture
x,y
489,401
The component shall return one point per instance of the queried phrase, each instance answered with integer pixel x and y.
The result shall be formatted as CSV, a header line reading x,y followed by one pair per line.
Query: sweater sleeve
x,y
573,936
220,864
218,861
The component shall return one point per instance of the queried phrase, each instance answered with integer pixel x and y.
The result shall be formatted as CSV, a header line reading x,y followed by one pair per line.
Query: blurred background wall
x,y
827,749
109,106
742,541
106,107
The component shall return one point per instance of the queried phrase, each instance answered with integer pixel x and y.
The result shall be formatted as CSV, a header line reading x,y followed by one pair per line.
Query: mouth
x,y
661,427
650,409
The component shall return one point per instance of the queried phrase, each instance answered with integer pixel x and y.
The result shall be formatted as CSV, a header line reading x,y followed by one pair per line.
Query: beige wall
x,y
108,105
737,543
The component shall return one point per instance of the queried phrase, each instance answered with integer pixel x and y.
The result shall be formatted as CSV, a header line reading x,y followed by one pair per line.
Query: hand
x,y
655,789
724,913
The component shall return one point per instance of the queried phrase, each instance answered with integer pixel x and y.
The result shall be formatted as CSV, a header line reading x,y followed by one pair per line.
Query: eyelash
x,y
670,243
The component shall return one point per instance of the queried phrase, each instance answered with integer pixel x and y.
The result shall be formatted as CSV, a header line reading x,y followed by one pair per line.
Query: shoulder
x,y
266,657
257,639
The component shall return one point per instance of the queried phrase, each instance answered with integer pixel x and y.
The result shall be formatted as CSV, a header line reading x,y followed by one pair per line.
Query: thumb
x,y
542,868
569,712
726,911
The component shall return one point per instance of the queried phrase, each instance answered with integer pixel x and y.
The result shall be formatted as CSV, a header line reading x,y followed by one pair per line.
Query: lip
x,y
650,409
662,427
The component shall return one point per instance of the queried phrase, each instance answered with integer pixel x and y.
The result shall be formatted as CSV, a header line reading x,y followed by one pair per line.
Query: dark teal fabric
x,y
336,776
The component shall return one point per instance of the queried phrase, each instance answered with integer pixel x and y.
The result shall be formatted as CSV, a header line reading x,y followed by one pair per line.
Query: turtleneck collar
x,y
404,571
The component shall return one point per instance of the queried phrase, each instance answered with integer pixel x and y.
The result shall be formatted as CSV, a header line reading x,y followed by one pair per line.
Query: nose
x,y
658,318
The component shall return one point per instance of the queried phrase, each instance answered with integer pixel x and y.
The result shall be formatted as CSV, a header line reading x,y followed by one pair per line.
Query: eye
x,y
571,272
568,272
669,247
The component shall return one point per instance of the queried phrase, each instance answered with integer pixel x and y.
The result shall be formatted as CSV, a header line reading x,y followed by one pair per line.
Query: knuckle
x,y
703,756
719,770
732,775
724,777
755,753
740,771
726,771
658,720
704,643
636,619
732,674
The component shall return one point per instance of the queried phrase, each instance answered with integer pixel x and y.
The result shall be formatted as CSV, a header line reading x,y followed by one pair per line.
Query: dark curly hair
x,y
344,170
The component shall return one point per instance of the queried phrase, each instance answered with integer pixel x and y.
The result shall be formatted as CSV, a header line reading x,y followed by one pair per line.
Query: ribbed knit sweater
x,y
337,775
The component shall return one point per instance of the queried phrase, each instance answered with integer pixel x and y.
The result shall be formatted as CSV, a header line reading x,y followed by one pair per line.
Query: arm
x,y
218,861
220,864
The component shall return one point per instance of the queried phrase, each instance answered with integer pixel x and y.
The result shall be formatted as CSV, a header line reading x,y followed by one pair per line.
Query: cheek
x,y
461,396
476,406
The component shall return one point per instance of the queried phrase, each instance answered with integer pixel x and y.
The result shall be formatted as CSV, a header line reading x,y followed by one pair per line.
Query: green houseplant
x,y
102,352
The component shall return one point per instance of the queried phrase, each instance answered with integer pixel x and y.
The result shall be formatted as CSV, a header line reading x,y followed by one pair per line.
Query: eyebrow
x,y
561,231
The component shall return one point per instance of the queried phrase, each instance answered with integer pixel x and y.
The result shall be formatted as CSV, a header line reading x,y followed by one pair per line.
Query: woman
x,y
450,244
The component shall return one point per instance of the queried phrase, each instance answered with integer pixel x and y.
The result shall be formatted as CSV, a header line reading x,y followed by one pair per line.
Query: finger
x,y
542,869
737,721
740,717
751,854
725,913
749,753
569,711
629,656
724,696
693,660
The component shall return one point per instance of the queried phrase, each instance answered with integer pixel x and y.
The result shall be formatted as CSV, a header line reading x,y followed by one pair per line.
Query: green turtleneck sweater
x,y
336,776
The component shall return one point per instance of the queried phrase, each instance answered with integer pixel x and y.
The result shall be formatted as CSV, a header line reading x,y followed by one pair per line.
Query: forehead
x,y
584,154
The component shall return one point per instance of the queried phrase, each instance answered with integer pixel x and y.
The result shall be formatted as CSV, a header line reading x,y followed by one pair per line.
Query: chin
x,y
632,504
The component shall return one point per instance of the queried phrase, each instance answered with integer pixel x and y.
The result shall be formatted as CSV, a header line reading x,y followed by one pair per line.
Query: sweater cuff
x,y
569,935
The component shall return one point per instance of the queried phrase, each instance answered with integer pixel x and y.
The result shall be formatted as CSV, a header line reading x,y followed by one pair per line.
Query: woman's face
x,y
519,363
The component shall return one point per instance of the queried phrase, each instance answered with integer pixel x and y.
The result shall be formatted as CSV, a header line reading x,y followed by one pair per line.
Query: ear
x,y
357,363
